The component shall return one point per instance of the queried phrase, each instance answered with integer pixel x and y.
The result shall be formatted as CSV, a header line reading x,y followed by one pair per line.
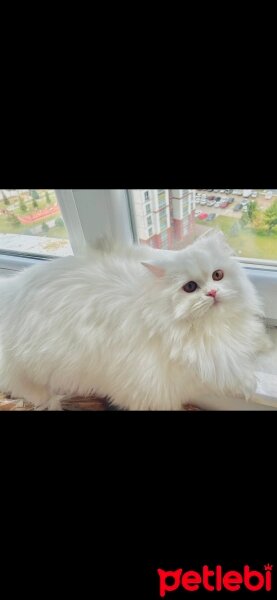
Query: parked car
x,y
211,217
223,204
197,213
247,193
203,216
211,197
268,196
230,200
203,202
244,202
237,207
216,191
245,208
254,195
218,199
210,202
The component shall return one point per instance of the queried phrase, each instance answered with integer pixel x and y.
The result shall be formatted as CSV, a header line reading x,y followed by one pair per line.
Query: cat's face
x,y
203,281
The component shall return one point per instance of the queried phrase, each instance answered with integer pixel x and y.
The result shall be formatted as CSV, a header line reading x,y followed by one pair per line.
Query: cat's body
x,y
108,324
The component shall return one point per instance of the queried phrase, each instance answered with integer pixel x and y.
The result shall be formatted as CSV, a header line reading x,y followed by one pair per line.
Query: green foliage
x,y
6,200
59,222
47,198
13,220
270,216
22,205
252,211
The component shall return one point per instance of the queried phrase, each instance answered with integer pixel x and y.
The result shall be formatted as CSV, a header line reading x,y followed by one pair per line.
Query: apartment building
x,y
163,217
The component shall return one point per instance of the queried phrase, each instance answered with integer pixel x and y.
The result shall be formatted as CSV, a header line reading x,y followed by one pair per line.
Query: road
x,y
228,211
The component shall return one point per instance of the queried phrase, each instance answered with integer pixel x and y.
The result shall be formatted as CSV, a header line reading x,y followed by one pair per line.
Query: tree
x,y
35,204
22,205
59,222
34,195
250,215
4,197
47,198
13,220
45,227
270,216
252,210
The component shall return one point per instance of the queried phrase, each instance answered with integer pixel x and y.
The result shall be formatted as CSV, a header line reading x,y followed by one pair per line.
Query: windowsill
x,y
35,244
267,374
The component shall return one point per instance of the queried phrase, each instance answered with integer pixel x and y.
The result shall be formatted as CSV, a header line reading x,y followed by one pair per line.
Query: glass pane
x,y
31,222
248,218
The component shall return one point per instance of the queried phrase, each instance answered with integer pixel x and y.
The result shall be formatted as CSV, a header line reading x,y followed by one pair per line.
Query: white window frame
x,y
90,213
87,215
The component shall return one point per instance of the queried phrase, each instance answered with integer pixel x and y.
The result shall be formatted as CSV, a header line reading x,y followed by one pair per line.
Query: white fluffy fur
x,y
106,323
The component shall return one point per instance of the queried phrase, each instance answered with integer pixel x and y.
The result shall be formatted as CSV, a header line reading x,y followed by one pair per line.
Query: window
x,y
146,196
31,222
148,209
247,217
162,200
163,219
149,221
87,214
163,223
164,239
120,214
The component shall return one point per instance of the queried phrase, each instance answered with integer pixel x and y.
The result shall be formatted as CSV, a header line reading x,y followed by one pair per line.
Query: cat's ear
x,y
156,269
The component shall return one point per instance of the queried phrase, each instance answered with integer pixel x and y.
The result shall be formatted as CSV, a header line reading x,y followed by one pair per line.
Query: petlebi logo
x,y
216,579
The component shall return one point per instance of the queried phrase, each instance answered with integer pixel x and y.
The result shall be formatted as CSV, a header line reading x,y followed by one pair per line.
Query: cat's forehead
x,y
202,260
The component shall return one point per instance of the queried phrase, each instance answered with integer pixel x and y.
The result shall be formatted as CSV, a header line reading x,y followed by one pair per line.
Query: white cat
x,y
151,329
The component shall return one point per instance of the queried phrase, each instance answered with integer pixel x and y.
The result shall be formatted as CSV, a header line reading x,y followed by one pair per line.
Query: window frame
x,y
89,214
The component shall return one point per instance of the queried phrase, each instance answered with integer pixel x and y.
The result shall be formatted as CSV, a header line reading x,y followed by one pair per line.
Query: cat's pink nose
x,y
211,293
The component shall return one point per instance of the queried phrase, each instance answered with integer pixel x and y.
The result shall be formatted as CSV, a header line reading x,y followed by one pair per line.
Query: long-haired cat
x,y
151,329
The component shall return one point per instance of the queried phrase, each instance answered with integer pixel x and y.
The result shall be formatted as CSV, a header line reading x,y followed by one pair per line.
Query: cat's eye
x,y
190,287
217,275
